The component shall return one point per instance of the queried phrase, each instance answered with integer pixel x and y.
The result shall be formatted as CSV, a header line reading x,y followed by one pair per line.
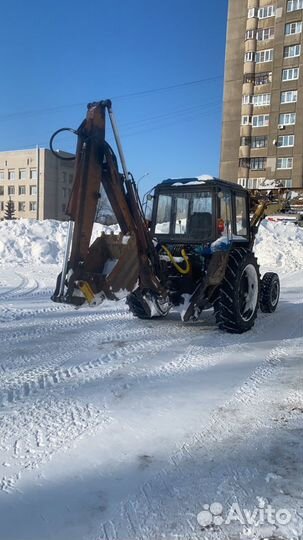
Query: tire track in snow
x,y
134,517
15,388
111,330
30,330
92,370
11,292
46,413
31,436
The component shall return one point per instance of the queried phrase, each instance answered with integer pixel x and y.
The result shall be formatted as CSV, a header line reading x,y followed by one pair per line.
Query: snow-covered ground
x,y
115,428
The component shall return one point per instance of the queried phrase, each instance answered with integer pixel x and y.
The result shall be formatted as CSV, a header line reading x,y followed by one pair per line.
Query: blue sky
x,y
58,56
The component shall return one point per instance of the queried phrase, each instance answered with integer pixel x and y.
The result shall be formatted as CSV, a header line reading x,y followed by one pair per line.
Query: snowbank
x,y
278,245
28,241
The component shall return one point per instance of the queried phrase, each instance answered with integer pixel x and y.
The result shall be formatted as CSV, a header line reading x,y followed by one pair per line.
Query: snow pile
x,y
278,245
28,241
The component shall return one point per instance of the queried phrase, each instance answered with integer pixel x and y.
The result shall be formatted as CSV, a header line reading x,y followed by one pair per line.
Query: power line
x,y
121,96
153,123
174,122
177,113
171,87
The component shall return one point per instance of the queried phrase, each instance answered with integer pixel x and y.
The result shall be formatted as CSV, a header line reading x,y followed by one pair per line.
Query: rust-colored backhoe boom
x,y
112,265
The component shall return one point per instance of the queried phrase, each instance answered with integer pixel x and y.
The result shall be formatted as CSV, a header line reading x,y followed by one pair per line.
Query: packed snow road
x,y
116,428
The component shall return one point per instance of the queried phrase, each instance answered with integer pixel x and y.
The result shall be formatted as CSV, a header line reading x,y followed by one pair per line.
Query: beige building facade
x,y
262,134
36,182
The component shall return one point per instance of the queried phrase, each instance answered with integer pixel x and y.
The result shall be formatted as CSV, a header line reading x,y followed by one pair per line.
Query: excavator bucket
x,y
109,271
113,267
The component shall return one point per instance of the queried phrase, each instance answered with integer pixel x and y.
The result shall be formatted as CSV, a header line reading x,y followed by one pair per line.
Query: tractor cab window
x,y
188,215
241,215
224,224
181,219
200,218
163,214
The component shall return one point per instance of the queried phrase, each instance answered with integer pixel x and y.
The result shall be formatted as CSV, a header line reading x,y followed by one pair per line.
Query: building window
x,y
245,141
1,190
258,164
265,12
249,56
2,206
33,206
11,190
248,78
258,100
246,100
21,206
254,142
285,163
244,162
261,100
33,174
11,175
22,190
64,177
286,140
259,142
290,74
263,78
286,183
293,28
249,34
260,120
291,96
265,33
246,120
292,50
242,182
1,175
252,12
70,178
293,5
33,190
255,164
264,56
22,174
287,119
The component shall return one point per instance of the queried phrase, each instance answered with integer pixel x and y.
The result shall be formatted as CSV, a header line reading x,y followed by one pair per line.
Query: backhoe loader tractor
x,y
194,254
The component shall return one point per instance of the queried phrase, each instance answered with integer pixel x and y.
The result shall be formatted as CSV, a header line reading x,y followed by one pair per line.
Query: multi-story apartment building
x,y
262,136
37,182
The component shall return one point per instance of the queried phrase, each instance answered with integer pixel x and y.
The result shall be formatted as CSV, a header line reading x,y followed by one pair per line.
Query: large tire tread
x,y
268,281
226,304
138,306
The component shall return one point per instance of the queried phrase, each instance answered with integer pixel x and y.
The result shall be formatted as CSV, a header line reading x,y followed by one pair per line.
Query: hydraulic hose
x,y
182,271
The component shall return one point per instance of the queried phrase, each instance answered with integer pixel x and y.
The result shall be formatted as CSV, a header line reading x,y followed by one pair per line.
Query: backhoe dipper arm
x,y
85,275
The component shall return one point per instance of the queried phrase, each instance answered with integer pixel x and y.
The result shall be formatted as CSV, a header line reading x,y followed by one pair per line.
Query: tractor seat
x,y
200,224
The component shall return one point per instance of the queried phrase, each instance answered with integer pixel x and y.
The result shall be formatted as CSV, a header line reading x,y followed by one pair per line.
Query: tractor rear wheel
x,y
270,292
237,301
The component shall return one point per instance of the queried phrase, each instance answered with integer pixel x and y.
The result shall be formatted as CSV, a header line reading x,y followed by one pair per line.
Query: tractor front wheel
x,y
270,292
146,305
